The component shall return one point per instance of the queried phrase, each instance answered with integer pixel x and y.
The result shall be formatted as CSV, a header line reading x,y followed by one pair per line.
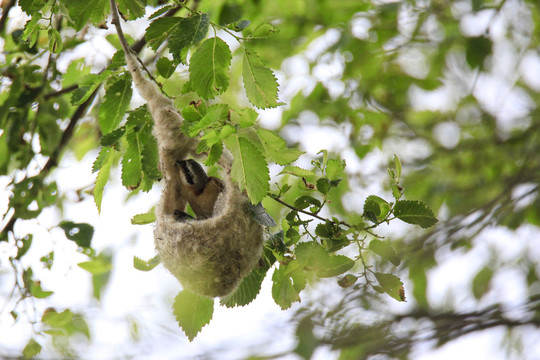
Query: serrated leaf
x,y
375,208
276,148
415,212
160,11
101,159
259,81
209,66
105,162
81,11
32,6
384,250
311,255
143,219
134,9
323,186
391,285
192,312
115,105
131,162
143,265
55,41
80,233
159,30
305,200
31,349
165,67
87,85
189,31
284,292
335,169
263,30
215,114
247,291
334,265
244,117
249,168
298,172
113,137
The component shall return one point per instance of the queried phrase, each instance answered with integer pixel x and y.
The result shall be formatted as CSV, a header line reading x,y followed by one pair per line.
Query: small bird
x,y
200,190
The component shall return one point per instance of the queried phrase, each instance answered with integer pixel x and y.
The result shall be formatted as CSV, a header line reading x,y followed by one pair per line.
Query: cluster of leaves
x,y
301,262
479,173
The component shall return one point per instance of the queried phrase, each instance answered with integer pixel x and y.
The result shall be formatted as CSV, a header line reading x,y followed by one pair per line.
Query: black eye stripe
x,y
187,172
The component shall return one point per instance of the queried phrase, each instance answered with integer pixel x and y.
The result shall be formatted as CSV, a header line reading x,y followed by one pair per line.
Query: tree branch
x,y
5,11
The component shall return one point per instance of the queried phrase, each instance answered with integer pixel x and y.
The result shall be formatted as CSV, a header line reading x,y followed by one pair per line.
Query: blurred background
x,y
451,87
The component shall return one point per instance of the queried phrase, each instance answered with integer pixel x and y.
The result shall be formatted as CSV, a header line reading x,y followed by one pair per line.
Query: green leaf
x,y
248,289
55,319
384,250
298,172
311,255
87,85
276,148
189,31
100,280
160,11
55,41
477,50
284,291
209,66
244,117
113,137
134,9
375,208
192,312
415,212
81,233
215,115
31,349
323,186
31,7
165,67
115,105
482,282
81,11
160,29
335,169
131,162
391,285
38,292
98,265
334,265
305,200
249,168
230,12
263,31
143,265
347,281
259,81
397,166
307,341
103,163
143,219
26,243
